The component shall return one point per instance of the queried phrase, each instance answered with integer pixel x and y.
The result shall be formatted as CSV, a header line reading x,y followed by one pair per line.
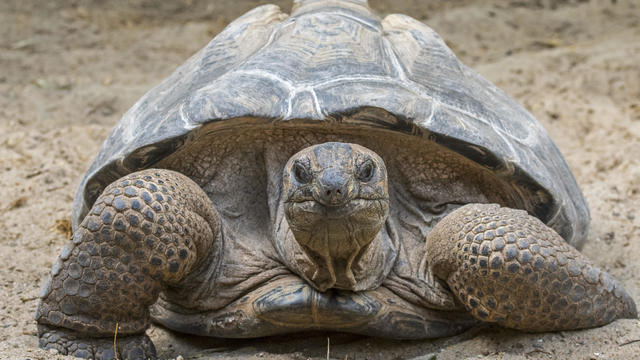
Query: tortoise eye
x,y
301,173
365,171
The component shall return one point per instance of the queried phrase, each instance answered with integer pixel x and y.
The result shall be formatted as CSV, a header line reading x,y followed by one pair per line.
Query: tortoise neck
x,y
310,255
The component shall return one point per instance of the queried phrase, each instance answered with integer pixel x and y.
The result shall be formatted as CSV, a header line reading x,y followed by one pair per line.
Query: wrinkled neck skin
x,y
336,254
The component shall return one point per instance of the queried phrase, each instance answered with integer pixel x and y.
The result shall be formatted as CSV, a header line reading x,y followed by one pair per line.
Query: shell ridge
x,y
435,107
241,23
316,102
234,70
186,120
409,85
317,110
421,90
338,11
399,70
270,40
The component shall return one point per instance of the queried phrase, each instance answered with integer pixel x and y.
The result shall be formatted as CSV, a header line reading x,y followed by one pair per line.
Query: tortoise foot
x,y
142,235
68,342
507,267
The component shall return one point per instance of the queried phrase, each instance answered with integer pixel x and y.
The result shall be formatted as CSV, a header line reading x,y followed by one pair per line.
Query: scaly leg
x,y
146,231
507,267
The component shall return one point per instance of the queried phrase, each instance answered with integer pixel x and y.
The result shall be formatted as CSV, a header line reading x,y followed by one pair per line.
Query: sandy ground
x,y
70,69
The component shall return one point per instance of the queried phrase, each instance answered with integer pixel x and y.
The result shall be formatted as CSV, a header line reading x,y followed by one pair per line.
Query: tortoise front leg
x,y
146,231
507,267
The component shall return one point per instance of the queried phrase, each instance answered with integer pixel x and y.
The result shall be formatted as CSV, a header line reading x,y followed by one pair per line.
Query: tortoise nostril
x,y
331,192
332,187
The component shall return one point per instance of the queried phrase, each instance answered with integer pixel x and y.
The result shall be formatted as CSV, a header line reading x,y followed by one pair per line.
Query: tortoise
x,y
328,171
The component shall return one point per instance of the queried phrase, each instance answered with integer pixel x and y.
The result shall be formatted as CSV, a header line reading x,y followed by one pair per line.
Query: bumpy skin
x,y
146,231
79,345
508,267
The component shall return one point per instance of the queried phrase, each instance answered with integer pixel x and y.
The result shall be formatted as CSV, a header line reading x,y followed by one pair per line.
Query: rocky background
x,y
70,69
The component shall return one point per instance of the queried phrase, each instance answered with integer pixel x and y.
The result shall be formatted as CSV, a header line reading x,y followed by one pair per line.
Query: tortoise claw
x,y
507,267
68,342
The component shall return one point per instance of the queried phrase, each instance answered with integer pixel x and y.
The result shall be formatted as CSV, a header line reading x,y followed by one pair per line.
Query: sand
x,y
70,69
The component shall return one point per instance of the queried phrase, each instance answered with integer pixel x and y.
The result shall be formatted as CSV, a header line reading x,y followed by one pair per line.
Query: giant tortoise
x,y
331,171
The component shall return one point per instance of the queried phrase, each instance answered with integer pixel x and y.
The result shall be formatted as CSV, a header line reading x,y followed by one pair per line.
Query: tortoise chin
x,y
335,239
336,234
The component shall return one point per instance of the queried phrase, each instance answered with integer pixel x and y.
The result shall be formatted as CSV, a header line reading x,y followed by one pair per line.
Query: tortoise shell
x,y
336,66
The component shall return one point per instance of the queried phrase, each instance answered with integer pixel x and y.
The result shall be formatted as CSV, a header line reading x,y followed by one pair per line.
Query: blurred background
x,y
70,69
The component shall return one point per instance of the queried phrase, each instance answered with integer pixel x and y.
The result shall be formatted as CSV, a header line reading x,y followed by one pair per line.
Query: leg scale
x,y
508,267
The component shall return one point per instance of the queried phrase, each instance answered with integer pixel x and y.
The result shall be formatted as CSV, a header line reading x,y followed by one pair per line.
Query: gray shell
x,y
328,60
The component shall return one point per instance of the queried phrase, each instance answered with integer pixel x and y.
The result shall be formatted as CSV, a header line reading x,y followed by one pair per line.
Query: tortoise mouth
x,y
359,207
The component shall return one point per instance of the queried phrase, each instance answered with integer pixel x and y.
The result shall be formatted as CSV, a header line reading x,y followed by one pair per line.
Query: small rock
x,y
41,83
609,237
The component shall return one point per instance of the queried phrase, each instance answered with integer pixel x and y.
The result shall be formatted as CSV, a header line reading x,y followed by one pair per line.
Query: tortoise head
x,y
336,200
